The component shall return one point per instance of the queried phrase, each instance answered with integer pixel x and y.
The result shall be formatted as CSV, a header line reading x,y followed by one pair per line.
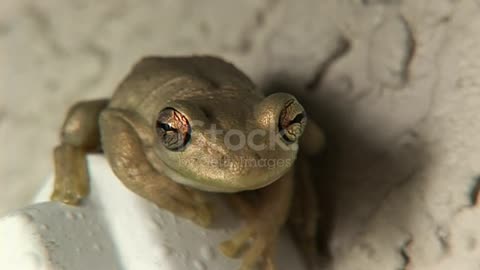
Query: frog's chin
x,y
205,186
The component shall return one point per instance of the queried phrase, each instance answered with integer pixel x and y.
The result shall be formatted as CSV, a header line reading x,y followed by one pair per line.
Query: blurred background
x,y
394,83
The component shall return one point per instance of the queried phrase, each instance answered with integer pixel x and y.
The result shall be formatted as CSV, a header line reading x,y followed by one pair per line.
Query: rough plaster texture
x,y
394,83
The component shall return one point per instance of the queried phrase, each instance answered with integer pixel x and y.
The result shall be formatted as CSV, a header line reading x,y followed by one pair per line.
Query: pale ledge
x,y
116,229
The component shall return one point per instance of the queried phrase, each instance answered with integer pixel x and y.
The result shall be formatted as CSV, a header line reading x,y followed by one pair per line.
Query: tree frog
x,y
179,127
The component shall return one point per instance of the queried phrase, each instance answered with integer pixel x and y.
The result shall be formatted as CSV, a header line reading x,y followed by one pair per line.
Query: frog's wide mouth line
x,y
214,186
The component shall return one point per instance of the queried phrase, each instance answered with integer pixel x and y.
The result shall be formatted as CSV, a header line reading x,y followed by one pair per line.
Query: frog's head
x,y
232,145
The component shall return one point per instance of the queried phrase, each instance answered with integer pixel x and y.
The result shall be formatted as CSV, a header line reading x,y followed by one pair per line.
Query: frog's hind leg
x,y
79,135
304,215
265,212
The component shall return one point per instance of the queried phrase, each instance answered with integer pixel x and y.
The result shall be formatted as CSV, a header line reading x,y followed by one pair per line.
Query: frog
x,y
177,129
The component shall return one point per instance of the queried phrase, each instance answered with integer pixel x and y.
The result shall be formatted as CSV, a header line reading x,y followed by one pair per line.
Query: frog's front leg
x,y
265,217
79,135
122,135
305,213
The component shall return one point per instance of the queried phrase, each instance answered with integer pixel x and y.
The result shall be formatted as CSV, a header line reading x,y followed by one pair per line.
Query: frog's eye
x,y
173,129
292,121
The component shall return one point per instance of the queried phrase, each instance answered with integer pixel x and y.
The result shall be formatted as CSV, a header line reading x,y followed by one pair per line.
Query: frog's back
x,y
149,79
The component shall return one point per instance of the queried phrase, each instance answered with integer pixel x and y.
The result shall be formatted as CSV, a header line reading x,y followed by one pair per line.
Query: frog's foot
x,y
257,241
256,244
200,214
187,203
203,217
203,211
71,177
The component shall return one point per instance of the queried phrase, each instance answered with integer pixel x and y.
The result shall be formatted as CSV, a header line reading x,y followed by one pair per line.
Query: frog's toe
x,y
68,197
204,211
259,255
231,248
256,246
203,215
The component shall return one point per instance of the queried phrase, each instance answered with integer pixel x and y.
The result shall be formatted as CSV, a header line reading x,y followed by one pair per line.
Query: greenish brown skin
x,y
209,91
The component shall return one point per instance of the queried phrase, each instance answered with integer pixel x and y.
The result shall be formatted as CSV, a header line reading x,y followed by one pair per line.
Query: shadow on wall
x,y
358,170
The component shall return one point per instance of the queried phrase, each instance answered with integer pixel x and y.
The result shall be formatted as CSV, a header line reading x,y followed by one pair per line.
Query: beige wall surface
x,y
395,84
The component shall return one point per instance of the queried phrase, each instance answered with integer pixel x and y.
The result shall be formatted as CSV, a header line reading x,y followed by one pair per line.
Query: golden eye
x,y
292,121
173,129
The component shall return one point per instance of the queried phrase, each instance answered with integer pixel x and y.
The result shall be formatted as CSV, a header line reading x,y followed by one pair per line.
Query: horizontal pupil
x,y
298,118
166,127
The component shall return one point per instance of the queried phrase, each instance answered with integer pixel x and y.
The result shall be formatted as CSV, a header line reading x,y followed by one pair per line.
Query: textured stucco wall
x,y
394,83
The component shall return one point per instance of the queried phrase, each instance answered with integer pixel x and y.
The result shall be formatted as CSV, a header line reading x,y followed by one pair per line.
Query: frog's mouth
x,y
211,185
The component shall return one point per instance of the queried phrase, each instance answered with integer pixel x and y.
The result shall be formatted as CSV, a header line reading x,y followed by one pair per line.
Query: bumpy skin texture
x,y
156,132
